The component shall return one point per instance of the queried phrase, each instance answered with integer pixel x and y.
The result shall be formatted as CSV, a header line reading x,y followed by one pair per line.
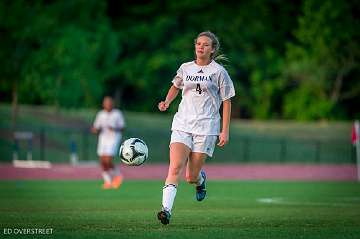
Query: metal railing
x,y
63,144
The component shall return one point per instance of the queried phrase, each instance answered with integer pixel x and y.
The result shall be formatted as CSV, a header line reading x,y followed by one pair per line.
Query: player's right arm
x,y
171,95
95,129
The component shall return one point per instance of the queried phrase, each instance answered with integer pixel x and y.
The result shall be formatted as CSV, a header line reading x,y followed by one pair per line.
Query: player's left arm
x,y
224,134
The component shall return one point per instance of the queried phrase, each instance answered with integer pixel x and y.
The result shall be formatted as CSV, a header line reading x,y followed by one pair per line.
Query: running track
x,y
343,172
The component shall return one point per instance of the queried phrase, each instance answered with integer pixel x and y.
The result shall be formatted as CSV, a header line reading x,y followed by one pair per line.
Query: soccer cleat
x,y
164,217
116,182
201,190
107,185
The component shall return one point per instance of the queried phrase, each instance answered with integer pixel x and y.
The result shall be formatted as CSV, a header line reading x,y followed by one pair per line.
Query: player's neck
x,y
202,62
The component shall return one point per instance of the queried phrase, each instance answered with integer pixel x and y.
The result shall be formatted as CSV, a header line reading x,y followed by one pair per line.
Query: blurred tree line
x,y
288,59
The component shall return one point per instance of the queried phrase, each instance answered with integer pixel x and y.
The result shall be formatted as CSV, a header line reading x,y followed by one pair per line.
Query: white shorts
x,y
196,143
108,146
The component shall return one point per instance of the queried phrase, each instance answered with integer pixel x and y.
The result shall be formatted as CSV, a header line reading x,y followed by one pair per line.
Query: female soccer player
x,y
205,85
109,124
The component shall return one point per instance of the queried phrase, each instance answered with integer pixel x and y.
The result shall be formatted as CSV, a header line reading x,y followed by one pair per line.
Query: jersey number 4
x,y
198,88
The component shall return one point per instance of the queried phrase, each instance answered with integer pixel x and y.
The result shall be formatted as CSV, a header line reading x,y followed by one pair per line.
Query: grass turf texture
x,y
80,209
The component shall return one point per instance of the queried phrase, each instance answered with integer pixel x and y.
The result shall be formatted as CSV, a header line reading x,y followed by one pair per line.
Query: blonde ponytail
x,y
221,58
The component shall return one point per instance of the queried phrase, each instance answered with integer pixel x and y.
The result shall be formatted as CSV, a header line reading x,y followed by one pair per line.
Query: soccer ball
x,y
133,152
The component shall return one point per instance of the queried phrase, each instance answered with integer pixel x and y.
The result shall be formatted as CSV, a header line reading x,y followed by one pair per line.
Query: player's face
x,y
203,47
108,104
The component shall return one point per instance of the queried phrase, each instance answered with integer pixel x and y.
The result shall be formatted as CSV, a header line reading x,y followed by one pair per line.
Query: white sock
x,y
169,193
106,176
201,180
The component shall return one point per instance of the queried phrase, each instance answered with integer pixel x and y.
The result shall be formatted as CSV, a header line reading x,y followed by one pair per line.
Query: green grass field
x,y
233,209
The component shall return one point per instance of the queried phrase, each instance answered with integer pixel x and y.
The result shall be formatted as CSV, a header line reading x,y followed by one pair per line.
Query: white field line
x,y
31,164
282,201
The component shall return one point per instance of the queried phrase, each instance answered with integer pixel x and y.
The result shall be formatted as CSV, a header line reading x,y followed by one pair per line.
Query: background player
x,y
205,86
109,124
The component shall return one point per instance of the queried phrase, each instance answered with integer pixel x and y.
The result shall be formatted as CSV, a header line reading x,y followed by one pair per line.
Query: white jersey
x,y
204,88
105,120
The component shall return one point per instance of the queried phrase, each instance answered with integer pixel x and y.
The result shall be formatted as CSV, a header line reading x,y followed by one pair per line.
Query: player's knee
x,y
103,165
175,171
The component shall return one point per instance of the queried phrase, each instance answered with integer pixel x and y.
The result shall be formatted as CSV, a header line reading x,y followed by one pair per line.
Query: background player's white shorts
x,y
197,143
108,146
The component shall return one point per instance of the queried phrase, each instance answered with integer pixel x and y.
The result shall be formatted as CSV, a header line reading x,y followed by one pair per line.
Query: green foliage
x,y
288,59
323,59
307,102
62,55
69,70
